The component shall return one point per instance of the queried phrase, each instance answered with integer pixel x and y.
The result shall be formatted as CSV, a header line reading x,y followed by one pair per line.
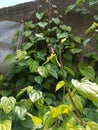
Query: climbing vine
x,y
45,89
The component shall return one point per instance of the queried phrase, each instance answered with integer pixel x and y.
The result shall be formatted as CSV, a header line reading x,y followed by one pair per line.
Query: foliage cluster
x,y
46,89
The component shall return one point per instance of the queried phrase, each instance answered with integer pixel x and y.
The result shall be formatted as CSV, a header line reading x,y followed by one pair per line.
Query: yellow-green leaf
x,y
37,121
61,109
92,125
5,125
59,85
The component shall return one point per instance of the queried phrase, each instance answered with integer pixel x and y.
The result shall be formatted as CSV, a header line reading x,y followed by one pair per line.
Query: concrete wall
x,y
22,12
78,22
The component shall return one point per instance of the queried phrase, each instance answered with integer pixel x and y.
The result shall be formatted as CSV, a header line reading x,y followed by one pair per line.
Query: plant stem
x,y
67,87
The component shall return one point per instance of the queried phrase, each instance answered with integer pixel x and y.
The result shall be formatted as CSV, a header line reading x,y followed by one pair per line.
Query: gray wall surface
x,y
8,29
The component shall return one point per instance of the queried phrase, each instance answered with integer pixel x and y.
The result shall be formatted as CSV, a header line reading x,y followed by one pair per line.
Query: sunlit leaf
x,y
40,15
92,125
21,54
42,24
27,33
40,35
8,103
42,70
35,95
56,20
49,58
37,121
87,89
61,109
59,85
5,125
20,112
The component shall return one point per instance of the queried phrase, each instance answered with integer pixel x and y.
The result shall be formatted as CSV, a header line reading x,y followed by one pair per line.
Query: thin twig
x,y
67,87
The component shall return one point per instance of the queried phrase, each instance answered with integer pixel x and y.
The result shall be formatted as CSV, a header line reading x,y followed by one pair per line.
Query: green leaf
x,y
29,25
42,70
53,73
49,58
27,124
21,55
48,101
20,82
40,15
38,79
10,58
69,8
65,28
92,2
79,3
52,70
92,125
96,17
42,24
92,27
1,77
61,109
78,102
56,20
5,125
33,65
75,50
20,112
69,70
87,71
59,85
48,120
8,104
27,89
27,45
35,95
77,39
62,35
87,89
36,120
40,35
21,91
41,54
86,41
27,33
91,113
